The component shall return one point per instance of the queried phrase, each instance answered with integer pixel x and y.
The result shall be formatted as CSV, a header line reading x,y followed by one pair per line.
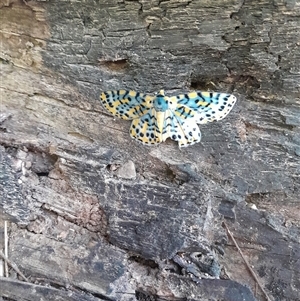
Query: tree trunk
x,y
95,215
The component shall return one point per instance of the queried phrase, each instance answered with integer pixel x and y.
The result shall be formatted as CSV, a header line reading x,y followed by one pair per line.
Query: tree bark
x,y
96,216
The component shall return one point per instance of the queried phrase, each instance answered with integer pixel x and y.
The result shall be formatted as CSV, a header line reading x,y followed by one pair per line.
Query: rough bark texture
x,y
97,216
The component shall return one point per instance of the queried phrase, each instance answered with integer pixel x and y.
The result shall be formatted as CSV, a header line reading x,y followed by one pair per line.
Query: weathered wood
x,y
94,211
14,289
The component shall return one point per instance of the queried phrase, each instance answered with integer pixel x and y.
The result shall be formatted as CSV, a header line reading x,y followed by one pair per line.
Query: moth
x,y
158,117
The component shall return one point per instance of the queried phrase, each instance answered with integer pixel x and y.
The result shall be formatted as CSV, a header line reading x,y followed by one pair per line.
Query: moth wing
x,y
126,104
204,106
147,129
185,132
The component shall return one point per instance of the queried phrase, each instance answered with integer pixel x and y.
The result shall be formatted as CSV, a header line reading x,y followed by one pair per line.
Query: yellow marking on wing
x,y
135,122
131,111
132,93
160,118
174,99
205,94
149,99
193,95
122,92
109,109
144,130
202,103
119,102
185,112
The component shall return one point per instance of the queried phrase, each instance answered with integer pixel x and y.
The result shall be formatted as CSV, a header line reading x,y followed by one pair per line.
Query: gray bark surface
x,y
96,216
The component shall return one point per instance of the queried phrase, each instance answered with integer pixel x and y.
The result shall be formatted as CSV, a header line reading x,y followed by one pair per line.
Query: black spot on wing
x,y
201,96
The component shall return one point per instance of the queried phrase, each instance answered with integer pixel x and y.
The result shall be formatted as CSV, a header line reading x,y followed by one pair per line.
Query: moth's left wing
x,y
148,128
126,104
203,106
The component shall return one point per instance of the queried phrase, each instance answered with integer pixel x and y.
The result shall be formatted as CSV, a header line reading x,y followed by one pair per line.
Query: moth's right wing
x,y
203,106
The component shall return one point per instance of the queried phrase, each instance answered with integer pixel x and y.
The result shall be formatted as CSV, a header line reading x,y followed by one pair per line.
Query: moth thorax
x,y
160,104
